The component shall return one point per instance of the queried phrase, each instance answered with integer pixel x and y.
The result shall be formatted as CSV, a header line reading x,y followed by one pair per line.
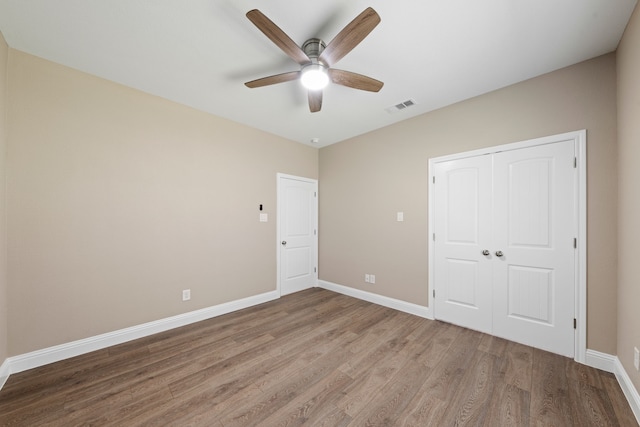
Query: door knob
x,y
499,253
284,243
486,252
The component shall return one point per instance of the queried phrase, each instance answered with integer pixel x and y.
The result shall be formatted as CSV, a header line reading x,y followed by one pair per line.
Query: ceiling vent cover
x,y
402,106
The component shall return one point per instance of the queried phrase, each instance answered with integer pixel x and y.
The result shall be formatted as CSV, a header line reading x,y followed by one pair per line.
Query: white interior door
x,y
298,247
534,228
504,260
463,232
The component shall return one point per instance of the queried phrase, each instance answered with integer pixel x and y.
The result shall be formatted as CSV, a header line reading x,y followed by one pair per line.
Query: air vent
x,y
402,106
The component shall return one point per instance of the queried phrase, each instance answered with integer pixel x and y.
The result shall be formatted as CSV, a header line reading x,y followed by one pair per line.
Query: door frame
x,y
279,180
579,139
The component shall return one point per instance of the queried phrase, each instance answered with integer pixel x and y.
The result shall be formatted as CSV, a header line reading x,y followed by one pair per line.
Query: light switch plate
x,y
400,216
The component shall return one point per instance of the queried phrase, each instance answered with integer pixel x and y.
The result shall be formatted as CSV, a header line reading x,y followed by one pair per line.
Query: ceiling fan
x,y
316,58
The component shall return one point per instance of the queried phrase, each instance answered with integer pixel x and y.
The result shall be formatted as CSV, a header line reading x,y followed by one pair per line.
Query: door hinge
x,y
315,269
434,293
315,232
434,237
434,179
575,323
575,242
315,194
575,162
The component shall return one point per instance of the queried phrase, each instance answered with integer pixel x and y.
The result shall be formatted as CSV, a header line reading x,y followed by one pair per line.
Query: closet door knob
x,y
499,253
486,252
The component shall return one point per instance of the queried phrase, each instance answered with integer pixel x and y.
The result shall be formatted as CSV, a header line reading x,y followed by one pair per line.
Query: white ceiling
x,y
200,52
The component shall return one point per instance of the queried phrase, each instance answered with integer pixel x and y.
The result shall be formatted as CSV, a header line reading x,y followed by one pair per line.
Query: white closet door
x,y
519,208
298,238
534,279
463,231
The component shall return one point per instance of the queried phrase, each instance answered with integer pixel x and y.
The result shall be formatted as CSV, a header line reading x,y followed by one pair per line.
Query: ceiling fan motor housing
x,y
313,48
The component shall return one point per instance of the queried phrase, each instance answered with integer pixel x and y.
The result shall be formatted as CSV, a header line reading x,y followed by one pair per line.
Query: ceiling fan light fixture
x,y
314,77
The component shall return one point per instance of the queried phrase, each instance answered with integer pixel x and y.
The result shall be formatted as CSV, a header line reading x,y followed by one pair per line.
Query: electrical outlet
x,y
372,278
367,278
636,358
186,294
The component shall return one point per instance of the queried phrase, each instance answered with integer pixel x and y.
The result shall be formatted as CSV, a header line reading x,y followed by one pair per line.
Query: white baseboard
x,y
4,373
603,361
396,304
628,388
45,356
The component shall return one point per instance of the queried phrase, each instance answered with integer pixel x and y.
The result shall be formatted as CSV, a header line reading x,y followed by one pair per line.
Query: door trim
x,y
580,216
279,178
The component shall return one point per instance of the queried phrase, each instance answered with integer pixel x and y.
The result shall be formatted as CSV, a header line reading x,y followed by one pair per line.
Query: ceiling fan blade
x,y
315,100
272,80
354,80
350,37
276,35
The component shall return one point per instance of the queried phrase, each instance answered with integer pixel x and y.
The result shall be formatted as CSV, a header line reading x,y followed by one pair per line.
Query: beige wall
x,y
629,195
119,200
365,180
4,56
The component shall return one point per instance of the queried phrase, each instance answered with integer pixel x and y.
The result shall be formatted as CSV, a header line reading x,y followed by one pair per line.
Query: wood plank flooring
x,y
316,358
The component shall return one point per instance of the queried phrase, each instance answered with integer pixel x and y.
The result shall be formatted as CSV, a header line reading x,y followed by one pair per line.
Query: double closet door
x,y
504,244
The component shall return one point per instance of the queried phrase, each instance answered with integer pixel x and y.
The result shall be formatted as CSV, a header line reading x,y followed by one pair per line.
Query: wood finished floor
x,y
320,359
